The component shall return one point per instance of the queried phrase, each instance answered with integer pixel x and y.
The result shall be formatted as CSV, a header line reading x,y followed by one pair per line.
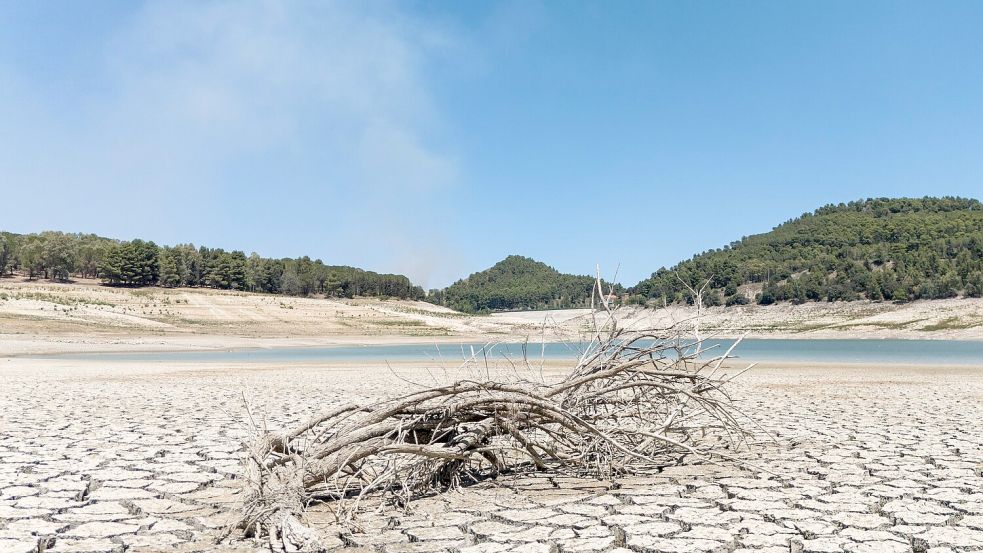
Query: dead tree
x,y
634,399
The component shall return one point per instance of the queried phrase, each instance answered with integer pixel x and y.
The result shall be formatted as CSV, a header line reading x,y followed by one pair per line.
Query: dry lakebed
x,y
116,456
102,455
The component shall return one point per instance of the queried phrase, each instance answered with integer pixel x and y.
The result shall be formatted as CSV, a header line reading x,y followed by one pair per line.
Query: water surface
x,y
921,352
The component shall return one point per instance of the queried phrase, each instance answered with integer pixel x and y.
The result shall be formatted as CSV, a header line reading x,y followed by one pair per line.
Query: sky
x,y
435,138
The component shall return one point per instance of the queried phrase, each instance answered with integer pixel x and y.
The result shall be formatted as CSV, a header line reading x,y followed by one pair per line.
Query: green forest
x,y
60,256
878,249
516,283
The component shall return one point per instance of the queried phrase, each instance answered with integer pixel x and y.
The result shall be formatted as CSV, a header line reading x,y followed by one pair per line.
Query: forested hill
x,y
516,283
61,256
880,249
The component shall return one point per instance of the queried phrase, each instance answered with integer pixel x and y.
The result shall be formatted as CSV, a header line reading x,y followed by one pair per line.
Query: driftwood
x,y
635,398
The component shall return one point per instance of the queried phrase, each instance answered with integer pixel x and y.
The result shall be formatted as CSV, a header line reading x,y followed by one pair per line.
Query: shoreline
x,y
38,318
11,346
207,343
556,365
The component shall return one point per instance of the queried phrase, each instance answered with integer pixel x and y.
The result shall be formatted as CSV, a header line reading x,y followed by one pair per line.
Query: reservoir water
x,y
921,352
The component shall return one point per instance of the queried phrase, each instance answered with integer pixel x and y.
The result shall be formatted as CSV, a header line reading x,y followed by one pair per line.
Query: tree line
x,y
879,249
61,256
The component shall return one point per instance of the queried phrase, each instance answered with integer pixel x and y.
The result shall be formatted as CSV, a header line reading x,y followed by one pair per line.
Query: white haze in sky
x,y
188,110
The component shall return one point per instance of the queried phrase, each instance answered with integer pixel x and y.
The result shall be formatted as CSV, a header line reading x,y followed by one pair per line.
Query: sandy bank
x,y
41,317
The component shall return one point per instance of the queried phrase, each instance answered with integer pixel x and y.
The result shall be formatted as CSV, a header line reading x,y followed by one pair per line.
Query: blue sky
x,y
435,138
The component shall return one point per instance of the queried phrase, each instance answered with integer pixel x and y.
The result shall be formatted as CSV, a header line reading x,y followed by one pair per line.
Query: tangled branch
x,y
634,399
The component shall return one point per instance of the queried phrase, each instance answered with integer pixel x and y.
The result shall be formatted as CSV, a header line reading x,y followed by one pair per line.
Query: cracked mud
x,y
109,458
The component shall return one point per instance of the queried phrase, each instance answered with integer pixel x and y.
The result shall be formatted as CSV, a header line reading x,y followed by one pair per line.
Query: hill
x,y
516,283
879,249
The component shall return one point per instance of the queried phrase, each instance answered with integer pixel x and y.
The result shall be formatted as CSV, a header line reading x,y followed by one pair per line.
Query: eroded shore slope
x,y
41,317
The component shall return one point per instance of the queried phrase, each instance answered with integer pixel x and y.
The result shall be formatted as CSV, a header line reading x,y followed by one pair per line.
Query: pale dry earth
x,y
42,317
951,319
99,457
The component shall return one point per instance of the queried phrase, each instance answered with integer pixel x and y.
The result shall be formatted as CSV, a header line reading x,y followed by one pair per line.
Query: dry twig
x,y
635,399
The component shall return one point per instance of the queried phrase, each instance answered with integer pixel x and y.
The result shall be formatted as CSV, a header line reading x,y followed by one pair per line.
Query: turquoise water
x,y
923,352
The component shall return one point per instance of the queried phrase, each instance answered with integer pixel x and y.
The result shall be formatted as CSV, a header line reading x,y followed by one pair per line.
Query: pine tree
x,y
169,276
111,265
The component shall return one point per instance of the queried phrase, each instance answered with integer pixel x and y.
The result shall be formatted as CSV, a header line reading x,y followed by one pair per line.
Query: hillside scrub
x,y
877,249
